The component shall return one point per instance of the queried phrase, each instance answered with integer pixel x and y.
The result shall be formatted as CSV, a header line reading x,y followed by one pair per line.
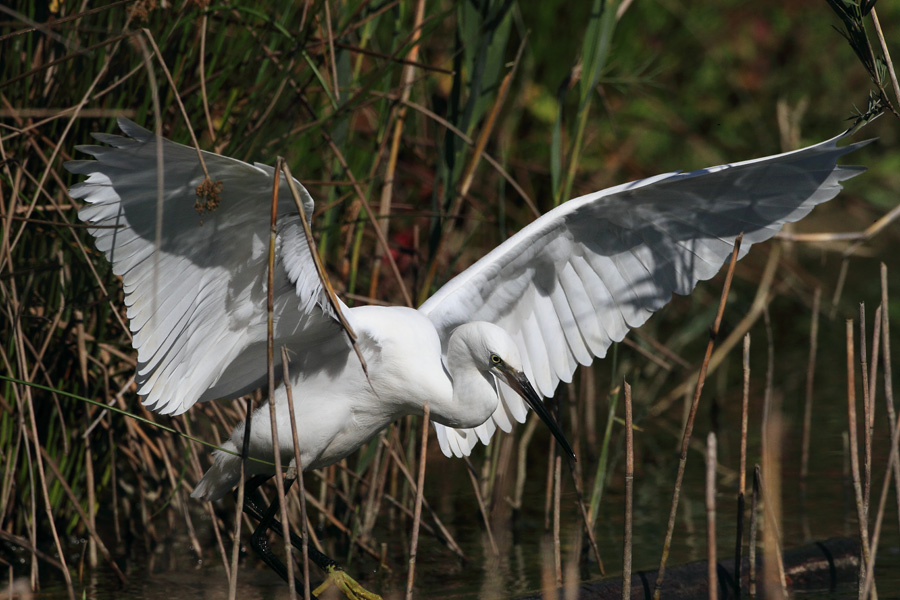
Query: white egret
x,y
553,296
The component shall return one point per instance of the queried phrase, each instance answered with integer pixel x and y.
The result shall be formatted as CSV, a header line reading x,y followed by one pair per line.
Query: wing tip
x,y
133,130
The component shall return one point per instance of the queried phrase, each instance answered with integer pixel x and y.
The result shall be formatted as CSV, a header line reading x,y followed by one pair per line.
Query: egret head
x,y
493,351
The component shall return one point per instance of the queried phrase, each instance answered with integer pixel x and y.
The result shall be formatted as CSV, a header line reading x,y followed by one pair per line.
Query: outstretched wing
x,y
195,284
578,278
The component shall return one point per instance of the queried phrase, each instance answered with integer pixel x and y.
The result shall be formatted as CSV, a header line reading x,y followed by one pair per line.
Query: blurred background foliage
x,y
478,114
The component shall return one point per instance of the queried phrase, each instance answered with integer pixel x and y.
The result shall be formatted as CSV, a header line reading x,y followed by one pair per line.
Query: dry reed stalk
x,y
91,490
486,130
114,482
467,178
57,21
585,518
404,470
575,472
711,514
217,531
31,549
145,518
557,491
774,580
361,196
887,54
270,372
333,301
742,479
522,453
321,502
770,380
239,503
481,507
34,571
845,473
867,413
379,469
649,355
754,528
526,198
48,509
298,467
873,366
549,587
838,288
810,381
202,72
689,425
27,400
485,480
760,301
77,505
60,140
393,58
888,375
417,518
868,586
384,207
188,521
503,481
213,519
548,495
894,459
588,393
670,356
570,573
178,500
854,453
629,495
177,96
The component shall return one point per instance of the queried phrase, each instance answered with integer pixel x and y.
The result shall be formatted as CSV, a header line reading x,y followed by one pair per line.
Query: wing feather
x,y
577,279
567,302
195,285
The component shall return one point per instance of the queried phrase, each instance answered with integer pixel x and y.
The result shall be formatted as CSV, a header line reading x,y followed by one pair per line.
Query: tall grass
x,y
441,133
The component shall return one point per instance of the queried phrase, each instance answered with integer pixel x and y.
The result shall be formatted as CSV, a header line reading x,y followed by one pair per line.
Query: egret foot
x,y
342,581
260,543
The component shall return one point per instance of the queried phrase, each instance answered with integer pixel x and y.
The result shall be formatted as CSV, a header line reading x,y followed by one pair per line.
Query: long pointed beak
x,y
520,384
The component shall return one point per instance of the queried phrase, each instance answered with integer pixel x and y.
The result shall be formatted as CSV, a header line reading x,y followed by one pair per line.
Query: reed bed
x,y
428,133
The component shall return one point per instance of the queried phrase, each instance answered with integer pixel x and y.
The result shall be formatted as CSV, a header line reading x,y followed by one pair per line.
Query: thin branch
x,y
417,517
333,300
270,372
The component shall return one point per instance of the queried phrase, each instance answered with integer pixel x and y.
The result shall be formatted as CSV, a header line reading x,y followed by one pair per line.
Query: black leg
x,y
259,540
335,575
267,521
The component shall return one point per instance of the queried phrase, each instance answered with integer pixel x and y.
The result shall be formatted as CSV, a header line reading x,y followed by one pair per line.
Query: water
x,y
172,571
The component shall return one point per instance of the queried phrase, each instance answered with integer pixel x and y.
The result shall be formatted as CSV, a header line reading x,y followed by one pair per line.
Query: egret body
x,y
338,410
480,352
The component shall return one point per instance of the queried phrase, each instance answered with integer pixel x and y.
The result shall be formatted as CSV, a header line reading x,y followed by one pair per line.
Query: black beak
x,y
518,382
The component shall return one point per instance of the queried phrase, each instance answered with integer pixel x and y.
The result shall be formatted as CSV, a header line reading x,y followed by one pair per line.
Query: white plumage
x,y
558,293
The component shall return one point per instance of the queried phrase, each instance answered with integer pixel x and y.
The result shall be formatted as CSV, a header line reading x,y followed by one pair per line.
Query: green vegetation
x,y
449,131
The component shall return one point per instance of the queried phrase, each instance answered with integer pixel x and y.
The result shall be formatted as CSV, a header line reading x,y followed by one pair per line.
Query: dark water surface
x,y
172,571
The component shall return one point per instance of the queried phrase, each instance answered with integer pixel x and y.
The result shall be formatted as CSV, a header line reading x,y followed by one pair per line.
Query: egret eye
x,y
495,359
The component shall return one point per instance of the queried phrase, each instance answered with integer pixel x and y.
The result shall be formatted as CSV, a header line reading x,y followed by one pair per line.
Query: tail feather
x,y
222,477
